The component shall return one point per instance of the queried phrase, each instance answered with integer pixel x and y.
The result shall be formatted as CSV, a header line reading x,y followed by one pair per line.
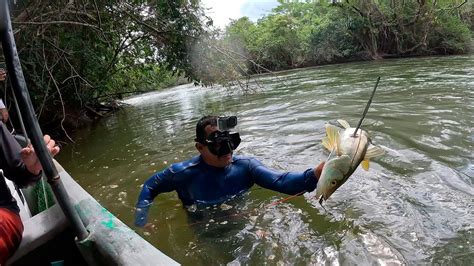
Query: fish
x,y
349,147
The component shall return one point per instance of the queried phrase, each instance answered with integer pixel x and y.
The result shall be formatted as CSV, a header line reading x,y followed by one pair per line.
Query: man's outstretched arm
x,y
285,182
156,184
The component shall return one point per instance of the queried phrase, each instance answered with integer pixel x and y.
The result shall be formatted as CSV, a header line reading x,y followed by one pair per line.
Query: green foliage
x,y
239,36
79,53
241,31
467,16
301,33
330,40
277,43
449,35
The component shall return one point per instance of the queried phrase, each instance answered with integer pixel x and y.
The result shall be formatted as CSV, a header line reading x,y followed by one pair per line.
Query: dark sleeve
x,y
156,184
10,160
289,182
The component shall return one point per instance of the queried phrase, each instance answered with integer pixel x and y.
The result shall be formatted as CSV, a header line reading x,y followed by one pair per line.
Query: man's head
x,y
215,146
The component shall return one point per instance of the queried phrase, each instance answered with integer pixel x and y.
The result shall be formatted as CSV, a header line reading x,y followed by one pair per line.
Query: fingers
x,y
319,170
3,74
26,151
48,141
51,145
320,166
55,150
149,227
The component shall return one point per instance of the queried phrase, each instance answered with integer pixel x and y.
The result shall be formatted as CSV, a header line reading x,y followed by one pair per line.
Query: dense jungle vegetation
x,y
78,54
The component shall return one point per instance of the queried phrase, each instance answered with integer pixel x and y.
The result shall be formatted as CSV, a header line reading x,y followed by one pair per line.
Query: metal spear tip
x,y
321,203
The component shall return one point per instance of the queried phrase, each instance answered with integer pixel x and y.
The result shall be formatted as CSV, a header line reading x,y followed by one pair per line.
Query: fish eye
x,y
333,182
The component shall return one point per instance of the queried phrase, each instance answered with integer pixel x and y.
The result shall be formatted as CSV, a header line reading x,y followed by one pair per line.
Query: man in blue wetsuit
x,y
216,175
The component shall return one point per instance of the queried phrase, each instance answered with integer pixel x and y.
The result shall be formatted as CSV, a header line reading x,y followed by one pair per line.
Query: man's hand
x,y
149,227
30,159
4,114
318,170
3,74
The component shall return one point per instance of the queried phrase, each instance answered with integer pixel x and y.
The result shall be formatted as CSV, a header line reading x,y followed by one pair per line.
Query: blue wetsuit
x,y
199,183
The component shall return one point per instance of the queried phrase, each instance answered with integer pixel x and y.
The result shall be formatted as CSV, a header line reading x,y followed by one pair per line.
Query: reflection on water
x,y
414,206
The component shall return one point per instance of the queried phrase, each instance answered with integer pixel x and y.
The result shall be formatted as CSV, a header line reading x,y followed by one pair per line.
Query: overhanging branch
x,y
56,22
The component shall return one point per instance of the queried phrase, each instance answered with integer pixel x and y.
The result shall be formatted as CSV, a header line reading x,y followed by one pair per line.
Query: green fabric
x,y
42,203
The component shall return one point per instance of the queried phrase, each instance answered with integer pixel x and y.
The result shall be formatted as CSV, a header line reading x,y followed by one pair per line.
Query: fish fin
x,y
373,151
327,145
338,142
332,133
365,165
343,123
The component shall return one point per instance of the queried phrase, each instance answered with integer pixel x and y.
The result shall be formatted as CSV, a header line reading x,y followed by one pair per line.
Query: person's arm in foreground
x,y
3,109
21,165
3,112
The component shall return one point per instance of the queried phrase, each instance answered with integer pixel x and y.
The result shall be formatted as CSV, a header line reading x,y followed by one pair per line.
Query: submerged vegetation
x,y
78,55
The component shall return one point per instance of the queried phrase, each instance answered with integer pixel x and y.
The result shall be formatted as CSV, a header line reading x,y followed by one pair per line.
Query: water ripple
x,y
414,206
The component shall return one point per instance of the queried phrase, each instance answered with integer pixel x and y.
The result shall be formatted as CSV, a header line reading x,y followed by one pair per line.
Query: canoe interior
x,y
60,249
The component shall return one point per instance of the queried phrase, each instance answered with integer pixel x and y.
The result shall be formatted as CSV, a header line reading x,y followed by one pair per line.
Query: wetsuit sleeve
x,y
11,162
156,184
289,182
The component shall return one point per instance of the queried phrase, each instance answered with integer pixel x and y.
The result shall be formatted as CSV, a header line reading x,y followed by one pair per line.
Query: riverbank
x,y
88,115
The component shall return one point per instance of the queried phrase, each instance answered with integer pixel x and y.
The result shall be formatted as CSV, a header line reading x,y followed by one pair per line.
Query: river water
x,y
414,206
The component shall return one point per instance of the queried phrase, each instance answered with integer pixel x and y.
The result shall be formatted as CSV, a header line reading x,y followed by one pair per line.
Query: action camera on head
x,y
225,123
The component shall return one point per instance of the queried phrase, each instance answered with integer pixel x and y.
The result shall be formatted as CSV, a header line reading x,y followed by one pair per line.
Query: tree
x,y
75,53
401,28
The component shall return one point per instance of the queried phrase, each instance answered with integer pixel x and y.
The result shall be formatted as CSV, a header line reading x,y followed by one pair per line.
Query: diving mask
x,y
221,143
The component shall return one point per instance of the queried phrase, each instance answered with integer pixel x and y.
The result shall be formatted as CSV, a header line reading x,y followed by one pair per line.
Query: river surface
x,y
414,206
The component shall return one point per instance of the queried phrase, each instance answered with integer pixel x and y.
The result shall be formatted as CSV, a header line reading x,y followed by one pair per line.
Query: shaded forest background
x,y
80,56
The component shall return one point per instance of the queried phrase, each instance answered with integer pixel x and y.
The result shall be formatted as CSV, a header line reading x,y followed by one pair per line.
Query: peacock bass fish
x,y
348,149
